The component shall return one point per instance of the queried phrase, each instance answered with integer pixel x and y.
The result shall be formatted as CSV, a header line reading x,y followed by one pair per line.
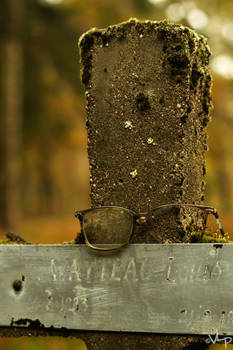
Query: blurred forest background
x,y
44,174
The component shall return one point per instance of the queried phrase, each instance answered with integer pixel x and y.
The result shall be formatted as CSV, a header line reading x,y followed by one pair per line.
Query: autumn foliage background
x,y
44,173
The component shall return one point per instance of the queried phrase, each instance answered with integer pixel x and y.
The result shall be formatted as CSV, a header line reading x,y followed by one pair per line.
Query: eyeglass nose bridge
x,y
141,218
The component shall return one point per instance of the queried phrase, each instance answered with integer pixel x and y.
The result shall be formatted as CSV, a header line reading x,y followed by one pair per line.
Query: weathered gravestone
x,y
148,100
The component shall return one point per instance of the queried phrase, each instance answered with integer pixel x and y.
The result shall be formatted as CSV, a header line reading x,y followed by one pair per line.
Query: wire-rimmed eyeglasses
x,y
110,227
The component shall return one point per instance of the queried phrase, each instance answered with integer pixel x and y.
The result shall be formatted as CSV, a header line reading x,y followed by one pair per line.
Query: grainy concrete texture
x,y
148,101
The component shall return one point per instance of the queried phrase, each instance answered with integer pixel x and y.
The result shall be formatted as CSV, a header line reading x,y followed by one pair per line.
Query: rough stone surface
x,y
148,100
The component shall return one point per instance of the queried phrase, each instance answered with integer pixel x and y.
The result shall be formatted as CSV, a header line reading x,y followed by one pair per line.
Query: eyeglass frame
x,y
143,217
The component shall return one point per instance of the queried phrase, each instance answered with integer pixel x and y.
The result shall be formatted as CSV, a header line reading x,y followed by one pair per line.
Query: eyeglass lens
x,y
104,226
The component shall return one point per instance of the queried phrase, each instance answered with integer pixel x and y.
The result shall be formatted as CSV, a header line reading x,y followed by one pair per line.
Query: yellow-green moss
x,y
197,237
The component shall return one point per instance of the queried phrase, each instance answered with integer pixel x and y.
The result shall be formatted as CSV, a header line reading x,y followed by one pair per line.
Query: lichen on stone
x,y
128,124
134,173
150,140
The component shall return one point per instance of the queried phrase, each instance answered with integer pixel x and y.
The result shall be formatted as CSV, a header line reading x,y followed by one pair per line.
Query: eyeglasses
x,y
110,227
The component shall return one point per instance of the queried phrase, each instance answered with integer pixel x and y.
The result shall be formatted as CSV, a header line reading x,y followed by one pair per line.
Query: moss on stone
x,y
198,237
180,45
124,25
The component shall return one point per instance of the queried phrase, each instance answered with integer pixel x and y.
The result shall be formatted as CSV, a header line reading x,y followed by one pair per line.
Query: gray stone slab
x,y
175,288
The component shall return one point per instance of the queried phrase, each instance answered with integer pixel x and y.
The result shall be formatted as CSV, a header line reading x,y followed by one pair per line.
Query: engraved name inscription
x,y
135,270
89,280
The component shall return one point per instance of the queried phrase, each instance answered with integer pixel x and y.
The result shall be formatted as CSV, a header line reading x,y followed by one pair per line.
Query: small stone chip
x,y
134,173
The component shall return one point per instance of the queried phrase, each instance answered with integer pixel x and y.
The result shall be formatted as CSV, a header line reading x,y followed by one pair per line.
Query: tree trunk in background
x,y
12,112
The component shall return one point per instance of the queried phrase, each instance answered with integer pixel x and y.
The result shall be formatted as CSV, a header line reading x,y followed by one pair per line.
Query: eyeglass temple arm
x,y
210,209
215,214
